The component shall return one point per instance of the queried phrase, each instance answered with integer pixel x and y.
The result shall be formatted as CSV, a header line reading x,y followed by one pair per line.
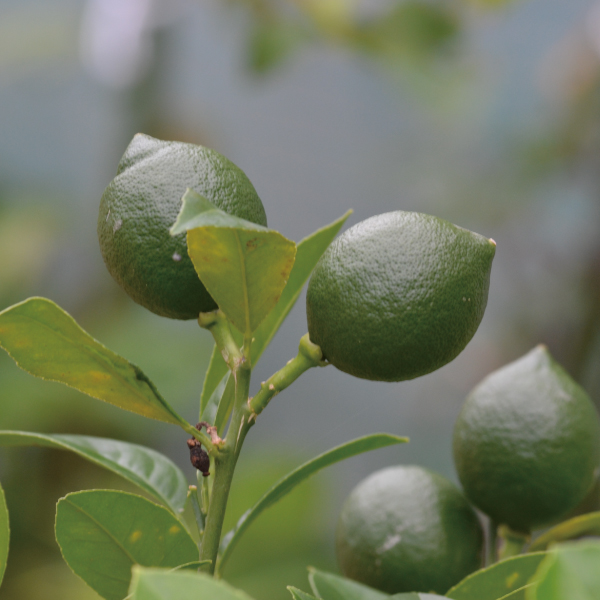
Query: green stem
x,y
225,462
512,542
309,355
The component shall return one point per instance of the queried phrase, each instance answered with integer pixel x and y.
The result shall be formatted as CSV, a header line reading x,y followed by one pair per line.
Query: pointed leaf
x,y
157,584
217,370
47,342
297,476
588,524
243,266
333,587
300,595
569,572
210,409
225,405
308,253
4,534
102,534
498,580
150,470
198,211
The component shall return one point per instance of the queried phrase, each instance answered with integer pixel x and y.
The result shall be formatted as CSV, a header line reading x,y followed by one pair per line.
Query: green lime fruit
x,y
140,205
527,443
398,295
407,529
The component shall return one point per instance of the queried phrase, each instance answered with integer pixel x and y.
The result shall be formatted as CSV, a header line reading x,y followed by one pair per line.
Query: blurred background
x,y
486,113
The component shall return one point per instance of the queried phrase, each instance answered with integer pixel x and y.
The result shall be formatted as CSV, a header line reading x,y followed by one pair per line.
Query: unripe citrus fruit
x,y
140,205
407,529
398,295
527,443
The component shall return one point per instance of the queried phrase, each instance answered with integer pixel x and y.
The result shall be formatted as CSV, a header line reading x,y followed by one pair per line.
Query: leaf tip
x,y
178,226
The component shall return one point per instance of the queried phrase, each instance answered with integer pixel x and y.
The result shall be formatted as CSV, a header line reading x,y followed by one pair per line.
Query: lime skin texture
x,y
140,205
398,295
527,443
407,529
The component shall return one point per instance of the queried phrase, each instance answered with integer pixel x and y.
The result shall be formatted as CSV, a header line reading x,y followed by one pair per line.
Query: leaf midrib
x,y
244,282
108,533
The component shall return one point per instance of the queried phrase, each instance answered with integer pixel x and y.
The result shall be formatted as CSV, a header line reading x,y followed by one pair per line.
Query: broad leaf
x,y
299,594
47,342
588,524
498,580
243,266
308,253
149,470
157,584
569,572
333,587
297,476
4,533
102,534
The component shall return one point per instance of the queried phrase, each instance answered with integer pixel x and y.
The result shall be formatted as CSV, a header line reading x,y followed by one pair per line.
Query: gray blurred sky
x,y
324,133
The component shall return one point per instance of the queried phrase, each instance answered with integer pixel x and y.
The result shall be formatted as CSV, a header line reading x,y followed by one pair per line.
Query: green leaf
x,y
308,253
297,476
209,410
102,534
157,584
243,266
47,342
415,596
149,470
216,372
498,580
588,524
569,572
192,566
333,587
225,405
520,594
4,534
299,594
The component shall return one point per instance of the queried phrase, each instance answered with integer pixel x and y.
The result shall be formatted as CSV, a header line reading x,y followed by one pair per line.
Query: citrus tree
x,y
395,297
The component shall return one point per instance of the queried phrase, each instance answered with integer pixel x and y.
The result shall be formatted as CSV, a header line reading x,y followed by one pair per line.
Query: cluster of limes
x,y
395,297
527,450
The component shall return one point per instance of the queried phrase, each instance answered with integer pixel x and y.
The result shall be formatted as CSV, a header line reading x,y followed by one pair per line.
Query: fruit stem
x,y
309,355
512,542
